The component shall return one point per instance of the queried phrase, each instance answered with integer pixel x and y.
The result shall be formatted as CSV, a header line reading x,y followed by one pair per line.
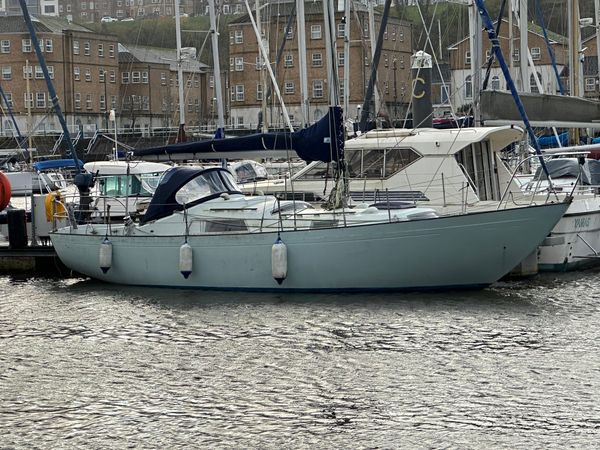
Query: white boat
x,y
123,188
200,231
574,242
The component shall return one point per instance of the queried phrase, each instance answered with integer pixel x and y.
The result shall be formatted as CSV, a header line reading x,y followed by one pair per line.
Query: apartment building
x,y
246,89
149,87
83,65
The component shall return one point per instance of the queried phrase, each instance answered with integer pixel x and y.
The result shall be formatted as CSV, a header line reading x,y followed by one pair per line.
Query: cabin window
x,y
379,163
206,184
225,226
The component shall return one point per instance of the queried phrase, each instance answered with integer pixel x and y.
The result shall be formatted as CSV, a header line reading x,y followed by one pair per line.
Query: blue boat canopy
x,y
322,141
56,164
183,187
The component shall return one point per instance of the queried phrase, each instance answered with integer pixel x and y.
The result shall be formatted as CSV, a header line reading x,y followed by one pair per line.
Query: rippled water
x,y
89,365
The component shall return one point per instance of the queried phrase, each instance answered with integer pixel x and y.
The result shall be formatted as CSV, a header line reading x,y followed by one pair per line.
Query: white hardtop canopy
x,y
432,141
120,167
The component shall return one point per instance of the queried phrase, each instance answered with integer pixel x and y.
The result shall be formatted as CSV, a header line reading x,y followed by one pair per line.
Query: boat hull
x,y
466,251
575,239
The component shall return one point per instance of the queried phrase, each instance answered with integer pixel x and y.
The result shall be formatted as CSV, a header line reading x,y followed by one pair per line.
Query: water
x,y
89,365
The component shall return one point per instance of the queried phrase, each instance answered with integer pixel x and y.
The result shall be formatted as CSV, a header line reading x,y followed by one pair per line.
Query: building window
x,y
7,73
341,84
468,87
5,46
536,53
125,78
102,102
9,101
231,64
111,51
317,59
289,87
28,100
590,83
26,45
145,77
76,73
113,76
39,73
49,45
239,63
77,100
259,91
315,31
341,30
516,57
86,48
239,36
190,105
317,88
101,50
341,59
88,75
467,57
40,99
163,79
76,47
101,75
28,72
88,101
289,33
239,92
495,83
288,60
136,77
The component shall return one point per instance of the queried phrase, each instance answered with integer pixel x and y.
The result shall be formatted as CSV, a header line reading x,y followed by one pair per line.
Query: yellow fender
x,y
59,209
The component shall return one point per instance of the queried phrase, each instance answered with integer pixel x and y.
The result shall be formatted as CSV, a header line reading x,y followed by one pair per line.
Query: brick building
x,y
149,88
245,87
83,65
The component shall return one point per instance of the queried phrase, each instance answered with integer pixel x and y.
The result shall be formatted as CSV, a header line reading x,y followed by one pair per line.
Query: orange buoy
x,y
5,191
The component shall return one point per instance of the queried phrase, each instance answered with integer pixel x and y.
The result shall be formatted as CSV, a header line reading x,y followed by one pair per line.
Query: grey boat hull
x,y
463,251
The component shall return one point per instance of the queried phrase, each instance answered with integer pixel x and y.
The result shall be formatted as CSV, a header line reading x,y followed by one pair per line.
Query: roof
x,y
41,24
532,28
157,55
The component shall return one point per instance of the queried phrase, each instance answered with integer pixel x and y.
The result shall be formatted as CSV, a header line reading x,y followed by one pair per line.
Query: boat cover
x,y
163,201
569,167
322,141
56,164
550,141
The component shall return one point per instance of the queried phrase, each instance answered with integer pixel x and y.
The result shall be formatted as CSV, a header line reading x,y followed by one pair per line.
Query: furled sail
x,y
322,141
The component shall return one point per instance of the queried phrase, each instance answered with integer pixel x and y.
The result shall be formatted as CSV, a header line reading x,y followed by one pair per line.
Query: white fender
x,y
105,255
186,260
279,260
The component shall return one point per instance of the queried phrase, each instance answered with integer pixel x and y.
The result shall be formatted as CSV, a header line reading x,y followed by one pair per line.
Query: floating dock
x,y
38,260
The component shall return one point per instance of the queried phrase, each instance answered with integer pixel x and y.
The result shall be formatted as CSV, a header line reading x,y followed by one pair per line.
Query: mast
x,y
263,81
29,124
373,49
181,131
347,27
220,133
575,78
523,46
597,23
304,103
476,49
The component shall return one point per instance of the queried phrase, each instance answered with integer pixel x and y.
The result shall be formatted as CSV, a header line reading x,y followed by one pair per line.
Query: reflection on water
x,y
90,365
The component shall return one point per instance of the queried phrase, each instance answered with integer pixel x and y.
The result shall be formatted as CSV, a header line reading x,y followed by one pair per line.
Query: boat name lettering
x,y
582,222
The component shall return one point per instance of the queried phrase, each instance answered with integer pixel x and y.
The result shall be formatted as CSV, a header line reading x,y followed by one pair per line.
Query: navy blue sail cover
x,y
322,141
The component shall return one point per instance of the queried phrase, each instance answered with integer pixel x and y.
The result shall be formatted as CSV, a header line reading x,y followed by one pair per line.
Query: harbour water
x,y
89,365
